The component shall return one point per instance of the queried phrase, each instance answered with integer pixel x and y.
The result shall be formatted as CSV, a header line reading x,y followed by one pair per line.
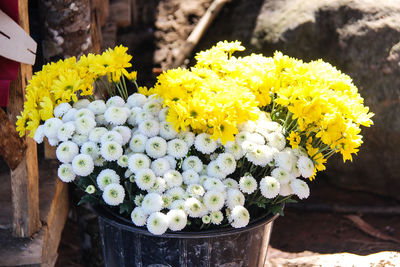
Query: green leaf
x,y
88,199
126,206
277,209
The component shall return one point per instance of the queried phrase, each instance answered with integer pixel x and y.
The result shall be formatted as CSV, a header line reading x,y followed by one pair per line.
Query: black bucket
x,y
124,244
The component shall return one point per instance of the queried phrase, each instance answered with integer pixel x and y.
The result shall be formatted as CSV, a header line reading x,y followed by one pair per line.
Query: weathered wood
x,y
24,178
120,12
102,8
9,138
49,151
95,25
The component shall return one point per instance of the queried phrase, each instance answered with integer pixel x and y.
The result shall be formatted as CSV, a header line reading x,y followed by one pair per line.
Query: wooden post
x,y
25,177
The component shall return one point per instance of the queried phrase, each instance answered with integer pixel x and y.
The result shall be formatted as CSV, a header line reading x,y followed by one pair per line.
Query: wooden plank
x,y
49,151
102,8
24,178
120,12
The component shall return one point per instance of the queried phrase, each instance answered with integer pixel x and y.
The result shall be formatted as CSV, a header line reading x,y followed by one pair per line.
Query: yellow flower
x,y
294,139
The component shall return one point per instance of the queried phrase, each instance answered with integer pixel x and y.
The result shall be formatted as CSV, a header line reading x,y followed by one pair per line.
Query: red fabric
x,y
8,68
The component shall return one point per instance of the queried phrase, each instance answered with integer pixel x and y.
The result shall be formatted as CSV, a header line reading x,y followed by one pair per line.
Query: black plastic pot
x,y
124,244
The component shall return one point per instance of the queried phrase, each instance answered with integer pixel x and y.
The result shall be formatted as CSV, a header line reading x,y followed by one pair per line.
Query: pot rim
x,y
120,222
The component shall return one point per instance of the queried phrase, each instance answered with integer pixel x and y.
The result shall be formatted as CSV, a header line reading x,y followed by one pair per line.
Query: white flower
x,y
239,216
248,126
241,137
112,136
106,177
216,217
306,166
247,184
260,155
96,133
99,161
173,178
101,120
177,219
281,175
192,163
66,131
156,147
195,190
167,131
138,216
79,139
145,179
300,188
116,115
257,139
203,178
231,183
51,127
125,132
178,205
69,115
214,200
53,141
269,187
171,161
194,207
90,189
142,116
132,115
138,161
300,151
91,149
166,200
152,107
188,137
39,134
226,162
111,150
214,184
190,177
81,103
149,128
159,186
160,166
285,190
248,146
235,149
66,173
116,101
113,194
97,107
61,109
152,202
205,144
82,165
157,223
177,148
84,125
276,140
123,161
206,219
162,115
138,143
176,193
285,159
136,100
66,151
84,112
138,199
234,198
214,170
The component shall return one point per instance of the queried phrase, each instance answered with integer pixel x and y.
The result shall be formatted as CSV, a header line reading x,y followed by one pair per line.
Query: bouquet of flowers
x,y
219,144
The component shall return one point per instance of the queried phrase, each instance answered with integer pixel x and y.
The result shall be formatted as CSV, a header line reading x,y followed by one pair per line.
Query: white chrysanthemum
x,y
248,126
66,131
84,125
138,216
115,101
227,163
239,216
149,128
66,173
285,159
216,217
177,148
230,183
271,126
99,161
214,170
123,161
138,199
84,112
235,149
173,178
176,193
79,139
281,175
112,136
142,116
295,172
101,120
132,115
145,178
260,155
285,190
234,198
159,186
248,146
214,200
152,202
116,115
152,107
138,143
167,131
81,103
247,184
106,177
128,173
203,178
39,134
171,161
111,150
194,207
269,187
192,163
300,188
66,151
138,161
166,201
306,166
206,219
114,194
162,115
205,144
136,100
157,223
156,147
195,190
214,184
177,219
257,138
188,137
97,107
61,109
160,166
178,205
53,141
125,132
90,148
82,165
90,189
277,140
300,151
241,137
51,127
69,115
